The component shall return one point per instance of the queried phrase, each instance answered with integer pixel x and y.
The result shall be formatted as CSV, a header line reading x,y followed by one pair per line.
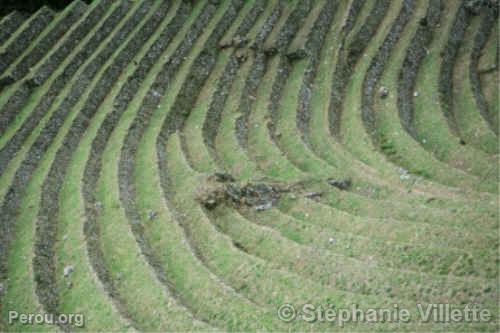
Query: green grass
x,y
385,240
433,131
99,311
396,143
6,178
473,127
29,208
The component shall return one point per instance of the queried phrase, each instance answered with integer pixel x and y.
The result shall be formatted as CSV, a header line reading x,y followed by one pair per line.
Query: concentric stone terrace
x,y
171,165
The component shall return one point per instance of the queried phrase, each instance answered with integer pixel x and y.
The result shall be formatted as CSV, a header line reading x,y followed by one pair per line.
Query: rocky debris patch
x,y
341,184
222,188
261,196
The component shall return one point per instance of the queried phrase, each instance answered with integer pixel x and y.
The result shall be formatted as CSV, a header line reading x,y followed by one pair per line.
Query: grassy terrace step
x,y
53,105
276,170
227,152
380,117
17,188
35,104
431,127
45,69
69,98
135,134
238,164
202,164
289,121
115,115
276,25
485,32
202,161
329,265
214,110
9,24
409,238
21,40
120,99
259,140
151,103
203,64
180,170
352,128
472,126
488,74
311,225
433,211
457,45
239,268
44,263
199,164
38,49
202,124
486,259
104,261
368,180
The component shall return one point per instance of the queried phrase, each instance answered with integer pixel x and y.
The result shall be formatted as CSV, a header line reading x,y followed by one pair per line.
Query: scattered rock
x,y
152,215
297,55
271,51
223,177
260,195
341,184
383,92
266,206
2,289
98,205
69,284
68,270
65,237
210,203
331,240
415,94
313,194
404,174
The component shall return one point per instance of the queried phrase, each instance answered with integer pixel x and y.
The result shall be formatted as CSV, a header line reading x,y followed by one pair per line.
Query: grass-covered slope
x,y
171,165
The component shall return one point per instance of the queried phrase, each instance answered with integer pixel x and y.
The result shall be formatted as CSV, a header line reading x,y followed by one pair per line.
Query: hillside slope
x,y
170,165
